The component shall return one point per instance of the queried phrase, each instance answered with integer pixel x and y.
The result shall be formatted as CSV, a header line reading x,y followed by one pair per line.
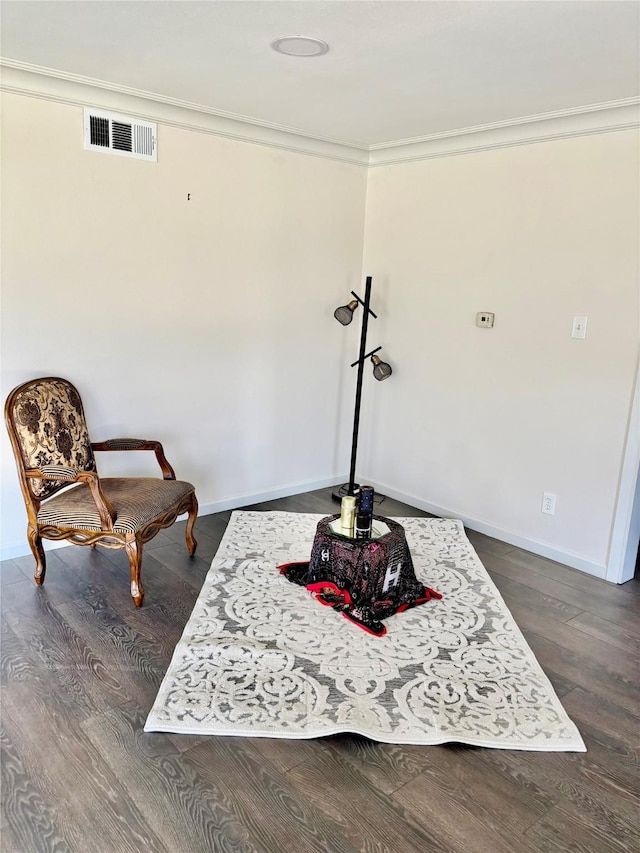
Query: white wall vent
x,y
117,134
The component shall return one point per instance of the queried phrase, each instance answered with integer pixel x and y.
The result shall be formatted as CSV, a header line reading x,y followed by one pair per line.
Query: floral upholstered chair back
x,y
47,421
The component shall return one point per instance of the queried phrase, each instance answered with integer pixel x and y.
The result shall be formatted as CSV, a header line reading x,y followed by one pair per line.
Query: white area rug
x,y
260,658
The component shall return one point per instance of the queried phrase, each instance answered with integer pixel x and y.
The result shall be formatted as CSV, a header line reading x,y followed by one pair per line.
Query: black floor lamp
x,y
381,370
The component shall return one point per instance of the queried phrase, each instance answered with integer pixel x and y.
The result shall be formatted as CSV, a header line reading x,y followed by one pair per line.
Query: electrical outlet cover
x,y
548,503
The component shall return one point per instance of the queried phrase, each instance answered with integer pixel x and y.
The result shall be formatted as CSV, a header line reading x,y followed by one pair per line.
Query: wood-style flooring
x,y
81,668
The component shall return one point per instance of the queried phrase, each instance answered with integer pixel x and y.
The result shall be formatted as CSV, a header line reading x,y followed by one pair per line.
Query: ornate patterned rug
x,y
259,657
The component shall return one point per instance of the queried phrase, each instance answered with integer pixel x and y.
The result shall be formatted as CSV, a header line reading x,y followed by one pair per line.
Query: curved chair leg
x,y
35,543
193,514
134,553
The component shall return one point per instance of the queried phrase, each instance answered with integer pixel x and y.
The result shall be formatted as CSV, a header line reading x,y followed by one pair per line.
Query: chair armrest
x,y
57,472
138,444
71,475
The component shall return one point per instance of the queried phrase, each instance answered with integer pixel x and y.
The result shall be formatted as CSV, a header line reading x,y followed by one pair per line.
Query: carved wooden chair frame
x,y
106,537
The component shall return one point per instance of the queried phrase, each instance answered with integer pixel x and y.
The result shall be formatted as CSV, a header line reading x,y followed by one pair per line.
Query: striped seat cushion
x,y
137,501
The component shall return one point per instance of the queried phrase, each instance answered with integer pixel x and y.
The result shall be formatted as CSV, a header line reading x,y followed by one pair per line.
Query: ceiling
x,y
395,70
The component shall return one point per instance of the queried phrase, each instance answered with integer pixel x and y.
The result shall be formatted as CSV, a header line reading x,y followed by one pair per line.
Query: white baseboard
x,y
567,558
281,492
23,550
11,552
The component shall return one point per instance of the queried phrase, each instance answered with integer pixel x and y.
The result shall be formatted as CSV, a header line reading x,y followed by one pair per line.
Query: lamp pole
x,y
356,414
381,370
352,485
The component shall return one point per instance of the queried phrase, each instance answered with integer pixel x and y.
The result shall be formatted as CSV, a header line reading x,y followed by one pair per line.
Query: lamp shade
x,y
381,370
344,314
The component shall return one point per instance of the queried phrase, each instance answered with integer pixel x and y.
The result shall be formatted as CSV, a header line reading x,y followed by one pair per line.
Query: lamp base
x,y
340,491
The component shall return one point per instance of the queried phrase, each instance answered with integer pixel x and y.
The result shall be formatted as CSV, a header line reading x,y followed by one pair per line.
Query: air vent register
x,y
118,134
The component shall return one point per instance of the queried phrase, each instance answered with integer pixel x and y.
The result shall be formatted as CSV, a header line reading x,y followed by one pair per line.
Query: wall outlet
x,y
549,503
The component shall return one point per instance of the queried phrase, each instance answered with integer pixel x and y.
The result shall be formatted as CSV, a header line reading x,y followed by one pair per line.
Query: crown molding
x,y
563,124
20,78
49,84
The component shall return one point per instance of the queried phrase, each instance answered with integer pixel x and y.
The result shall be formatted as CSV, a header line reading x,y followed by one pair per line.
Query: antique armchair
x,y
50,440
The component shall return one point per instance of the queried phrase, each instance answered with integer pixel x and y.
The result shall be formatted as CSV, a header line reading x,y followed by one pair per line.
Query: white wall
x,y
478,423
206,324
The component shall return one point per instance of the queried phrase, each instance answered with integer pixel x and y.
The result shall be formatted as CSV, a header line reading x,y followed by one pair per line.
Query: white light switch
x,y
579,328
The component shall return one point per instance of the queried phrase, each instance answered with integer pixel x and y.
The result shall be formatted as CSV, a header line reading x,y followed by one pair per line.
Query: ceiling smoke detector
x,y
300,46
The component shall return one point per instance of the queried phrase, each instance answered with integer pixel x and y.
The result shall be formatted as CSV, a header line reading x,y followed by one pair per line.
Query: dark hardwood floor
x,y
80,668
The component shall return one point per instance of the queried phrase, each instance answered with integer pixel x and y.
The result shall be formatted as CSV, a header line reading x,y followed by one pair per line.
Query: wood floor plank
x,y
290,817
561,685
559,832
213,525
16,595
387,766
518,592
599,767
108,569
572,577
486,545
133,663
12,844
587,780
54,561
193,570
160,584
29,823
79,669
496,763
285,754
160,540
468,811
609,820
609,602
478,793
189,812
584,672
16,661
207,527
205,535
61,584
81,679
574,781
604,714
606,631
160,626
489,786
90,805
70,656
565,635
10,572
632,586
615,765
296,503
370,820
77,573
